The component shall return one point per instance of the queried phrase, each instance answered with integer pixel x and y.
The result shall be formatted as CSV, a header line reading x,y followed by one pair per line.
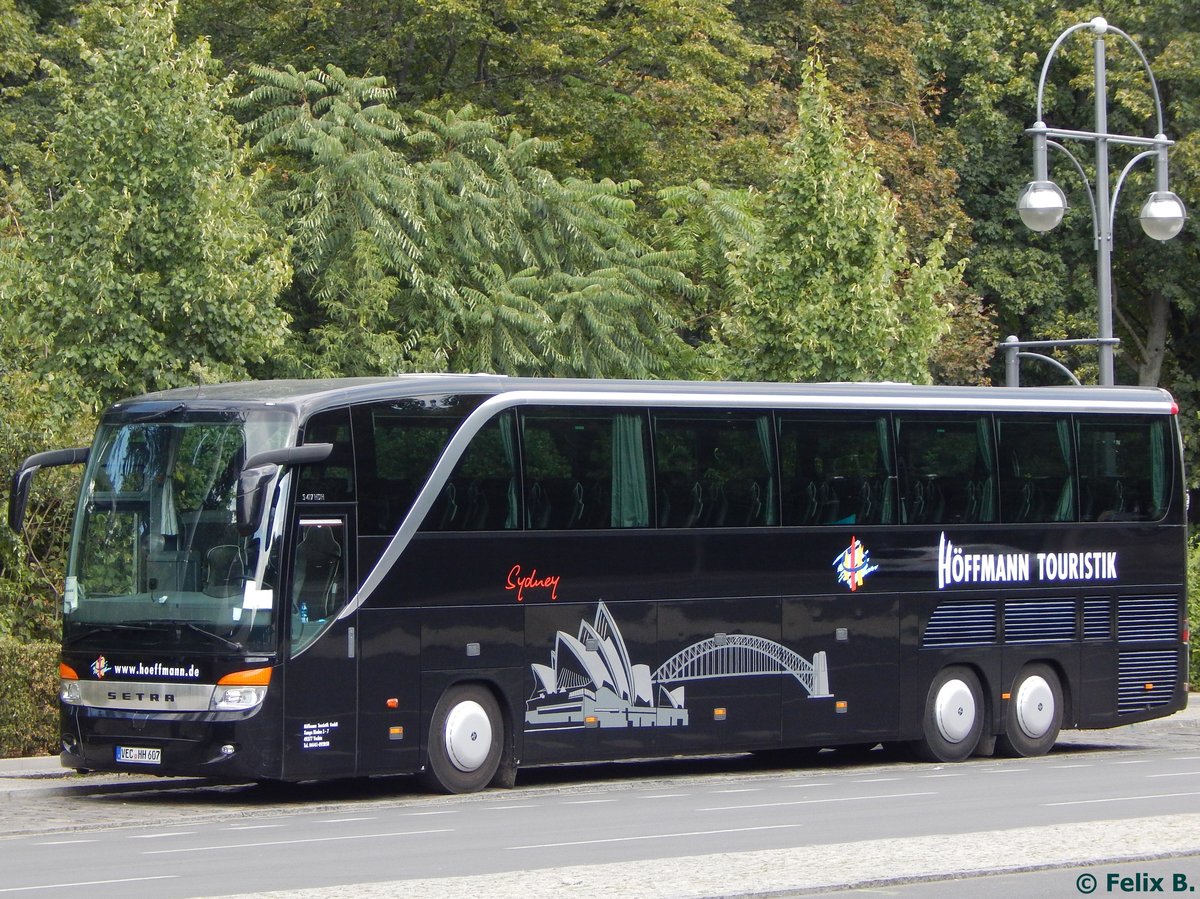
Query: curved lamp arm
x,y
1087,185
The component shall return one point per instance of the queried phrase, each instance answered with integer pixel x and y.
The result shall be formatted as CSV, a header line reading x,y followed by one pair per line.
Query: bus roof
x,y
307,396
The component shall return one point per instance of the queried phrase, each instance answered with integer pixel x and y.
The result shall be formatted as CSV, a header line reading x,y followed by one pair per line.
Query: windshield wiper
x,y
161,413
197,629
108,628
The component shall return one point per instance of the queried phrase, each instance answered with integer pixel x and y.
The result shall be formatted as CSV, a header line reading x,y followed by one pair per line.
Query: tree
x,y
626,91
889,100
144,263
38,413
713,229
831,292
443,244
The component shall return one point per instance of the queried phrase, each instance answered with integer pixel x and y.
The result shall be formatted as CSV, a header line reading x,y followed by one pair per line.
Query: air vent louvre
x,y
1097,618
1039,621
961,624
1146,680
1147,619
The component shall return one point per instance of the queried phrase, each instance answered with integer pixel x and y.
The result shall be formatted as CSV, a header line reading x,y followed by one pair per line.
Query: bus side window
x,y
836,470
715,469
398,444
481,493
1037,469
947,468
331,481
1124,468
585,469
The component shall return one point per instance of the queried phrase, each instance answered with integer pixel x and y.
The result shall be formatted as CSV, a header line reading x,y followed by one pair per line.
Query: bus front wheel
x,y
1034,713
954,716
466,740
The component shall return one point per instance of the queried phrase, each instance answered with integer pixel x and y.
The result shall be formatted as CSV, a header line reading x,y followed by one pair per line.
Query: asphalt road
x,y
1105,803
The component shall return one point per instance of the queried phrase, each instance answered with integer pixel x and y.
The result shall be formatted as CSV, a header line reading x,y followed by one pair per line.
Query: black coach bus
x,y
462,574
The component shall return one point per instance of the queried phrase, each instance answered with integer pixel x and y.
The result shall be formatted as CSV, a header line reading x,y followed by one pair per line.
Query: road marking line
x,y
363,836
1120,799
1064,767
729,808
875,780
824,783
492,808
663,796
64,842
739,790
586,801
656,836
156,836
1176,774
86,883
346,820
252,826
445,811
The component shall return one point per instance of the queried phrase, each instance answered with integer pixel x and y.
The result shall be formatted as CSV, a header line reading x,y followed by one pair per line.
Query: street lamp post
x,y
1042,203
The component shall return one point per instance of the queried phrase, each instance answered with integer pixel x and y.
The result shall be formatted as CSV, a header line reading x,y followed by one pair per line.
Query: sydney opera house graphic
x,y
591,681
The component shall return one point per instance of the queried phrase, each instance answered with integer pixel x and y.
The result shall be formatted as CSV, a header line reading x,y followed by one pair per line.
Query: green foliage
x,y
443,244
831,293
37,414
29,715
713,229
144,264
628,91
884,94
16,40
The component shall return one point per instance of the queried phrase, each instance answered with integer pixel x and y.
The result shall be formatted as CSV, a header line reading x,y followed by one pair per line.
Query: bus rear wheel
x,y
1034,713
466,740
953,720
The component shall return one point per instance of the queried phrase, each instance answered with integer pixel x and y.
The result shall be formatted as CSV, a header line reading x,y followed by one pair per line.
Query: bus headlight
x,y
241,690
68,685
68,692
237,699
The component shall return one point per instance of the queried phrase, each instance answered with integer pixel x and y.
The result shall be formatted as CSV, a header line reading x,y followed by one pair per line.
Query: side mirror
x,y
257,473
22,480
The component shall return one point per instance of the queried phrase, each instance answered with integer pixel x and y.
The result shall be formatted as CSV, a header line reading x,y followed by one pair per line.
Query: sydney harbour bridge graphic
x,y
591,682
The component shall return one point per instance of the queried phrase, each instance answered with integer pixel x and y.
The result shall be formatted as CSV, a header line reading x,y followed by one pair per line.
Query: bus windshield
x,y
157,552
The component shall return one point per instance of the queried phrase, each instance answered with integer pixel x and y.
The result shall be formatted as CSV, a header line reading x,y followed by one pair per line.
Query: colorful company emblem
x,y
100,667
853,564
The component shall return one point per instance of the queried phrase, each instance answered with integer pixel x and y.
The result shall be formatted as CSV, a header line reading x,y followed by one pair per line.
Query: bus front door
x,y
321,677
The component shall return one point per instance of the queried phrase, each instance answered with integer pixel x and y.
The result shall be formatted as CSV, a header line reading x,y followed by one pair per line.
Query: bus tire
x,y
954,716
466,740
1034,714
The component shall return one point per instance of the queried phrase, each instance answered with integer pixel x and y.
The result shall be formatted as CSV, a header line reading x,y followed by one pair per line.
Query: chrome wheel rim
x,y
1035,706
954,711
468,736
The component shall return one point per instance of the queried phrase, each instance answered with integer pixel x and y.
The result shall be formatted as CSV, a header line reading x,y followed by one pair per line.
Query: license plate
x,y
139,755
